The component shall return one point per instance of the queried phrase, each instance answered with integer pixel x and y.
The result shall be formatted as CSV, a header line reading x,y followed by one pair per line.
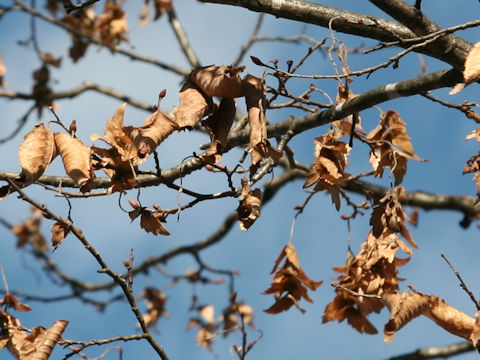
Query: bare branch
x,y
436,352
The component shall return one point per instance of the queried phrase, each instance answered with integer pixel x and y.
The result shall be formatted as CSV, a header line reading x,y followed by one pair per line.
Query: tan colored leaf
x,y
3,71
471,70
117,137
28,231
36,345
221,81
156,128
290,283
218,125
59,232
10,301
403,308
112,25
149,221
155,300
249,208
254,90
76,160
194,105
35,153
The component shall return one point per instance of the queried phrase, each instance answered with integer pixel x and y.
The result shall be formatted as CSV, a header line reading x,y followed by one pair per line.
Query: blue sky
x,y
216,32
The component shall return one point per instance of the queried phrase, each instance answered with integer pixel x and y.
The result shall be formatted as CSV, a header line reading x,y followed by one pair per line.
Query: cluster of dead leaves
x,y
22,343
109,28
234,317
374,270
391,146
473,164
328,170
290,283
225,82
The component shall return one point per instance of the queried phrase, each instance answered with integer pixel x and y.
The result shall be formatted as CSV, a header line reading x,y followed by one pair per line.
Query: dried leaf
x,y
218,125
290,283
471,71
221,81
112,26
254,90
28,231
35,153
76,160
3,71
249,208
155,300
59,232
10,301
194,105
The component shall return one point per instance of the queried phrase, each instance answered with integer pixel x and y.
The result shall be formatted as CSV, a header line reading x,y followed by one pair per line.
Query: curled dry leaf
x,y
10,301
3,71
34,155
208,326
407,306
194,105
76,160
254,90
59,232
233,315
218,125
221,81
328,170
28,231
290,283
391,146
112,26
155,300
84,21
471,70
156,128
23,345
249,208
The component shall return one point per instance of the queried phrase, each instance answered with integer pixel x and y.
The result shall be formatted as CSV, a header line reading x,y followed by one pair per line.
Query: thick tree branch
x,y
436,352
450,48
351,23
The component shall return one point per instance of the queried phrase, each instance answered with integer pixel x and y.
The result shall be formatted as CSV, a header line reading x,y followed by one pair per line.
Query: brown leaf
x,y
156,128
149,221
49,59
34,154
254,90
84,21
28,231
290,282
221,81
249,208
76,160
36,345
118,138
471,70
10,301
155,300
218,125
3,71
194,105
112,25
59,232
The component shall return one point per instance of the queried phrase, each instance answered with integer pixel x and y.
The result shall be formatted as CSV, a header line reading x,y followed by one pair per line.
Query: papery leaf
x,y
155,300
221,81
194,105
254,90
76,160
59,232
471,70
35,153
218,125
250,204
10,301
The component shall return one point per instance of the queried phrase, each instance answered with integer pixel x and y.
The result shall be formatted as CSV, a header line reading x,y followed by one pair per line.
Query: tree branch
x,y
436,352
351,23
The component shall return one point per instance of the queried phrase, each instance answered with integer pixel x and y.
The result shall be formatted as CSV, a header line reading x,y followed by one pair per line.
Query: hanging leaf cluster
x,y
373,270
290,283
